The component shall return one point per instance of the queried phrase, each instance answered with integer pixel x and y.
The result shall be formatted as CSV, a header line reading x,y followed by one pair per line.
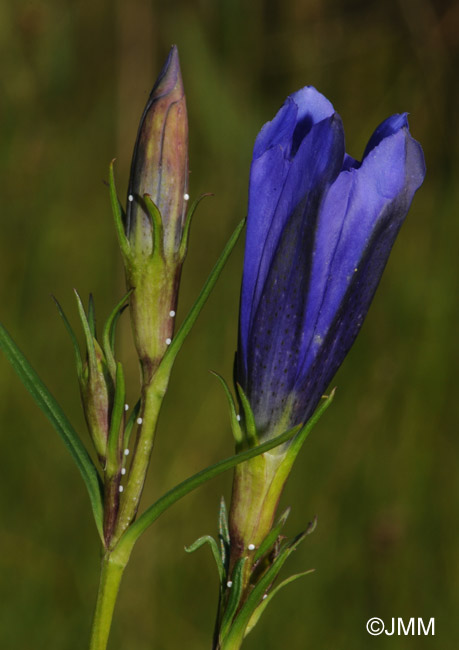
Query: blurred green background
x,y
380,470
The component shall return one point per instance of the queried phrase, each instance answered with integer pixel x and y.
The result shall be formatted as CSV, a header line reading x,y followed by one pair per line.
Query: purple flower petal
x,y
392,125
320,229
282,267
357,226
270,169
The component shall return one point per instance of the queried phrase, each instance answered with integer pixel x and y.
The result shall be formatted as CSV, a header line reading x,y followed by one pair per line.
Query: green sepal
x,y
92,316
271,537
223,533
112,337
268,597
58,419
127,541
208,539
311,526
298,441
130,424
249,419
113,446
186,229
157,225
118,214
90,346
234,597
108,333
96,386
255,597
235,426
167,362
76,347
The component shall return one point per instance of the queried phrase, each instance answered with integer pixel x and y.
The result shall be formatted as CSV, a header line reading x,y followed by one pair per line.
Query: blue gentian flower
x,y
320,229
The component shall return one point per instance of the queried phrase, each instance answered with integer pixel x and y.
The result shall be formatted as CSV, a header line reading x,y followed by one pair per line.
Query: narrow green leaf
x,y
157,223
250,426
113,447
87,334
92,316
208,539
55,415
298,442
152,513
237,631
268,597
311,527
130,424
223,533
179,338
118,214
112,333
271,537
186,229
235,426
235,593
76,347
108,333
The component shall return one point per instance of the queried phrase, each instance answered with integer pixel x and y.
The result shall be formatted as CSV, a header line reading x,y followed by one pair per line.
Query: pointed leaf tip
x,y
208,539
90,346
269,596
73,338
312,525
108,333
189,217
118,214
235,426
157,223
250,426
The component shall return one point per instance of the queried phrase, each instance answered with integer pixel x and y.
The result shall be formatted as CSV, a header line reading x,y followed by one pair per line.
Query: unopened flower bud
x,y
155,215
96,394
160,163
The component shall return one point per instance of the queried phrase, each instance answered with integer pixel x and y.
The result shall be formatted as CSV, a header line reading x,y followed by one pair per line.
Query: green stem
x,y
151,404
233,643
110,577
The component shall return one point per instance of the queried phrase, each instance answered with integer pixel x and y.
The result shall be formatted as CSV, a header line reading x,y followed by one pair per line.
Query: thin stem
x,y
110,577
151,405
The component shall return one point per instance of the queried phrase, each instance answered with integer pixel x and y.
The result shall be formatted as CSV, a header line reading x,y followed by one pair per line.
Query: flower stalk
x,y
151,400
257,488
151,235
109,583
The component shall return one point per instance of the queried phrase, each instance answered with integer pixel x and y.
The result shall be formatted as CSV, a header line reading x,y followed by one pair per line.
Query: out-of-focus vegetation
x,y
382,468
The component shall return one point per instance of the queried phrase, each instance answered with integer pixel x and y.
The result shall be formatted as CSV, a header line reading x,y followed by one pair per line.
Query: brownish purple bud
x,y
160,164
97,395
